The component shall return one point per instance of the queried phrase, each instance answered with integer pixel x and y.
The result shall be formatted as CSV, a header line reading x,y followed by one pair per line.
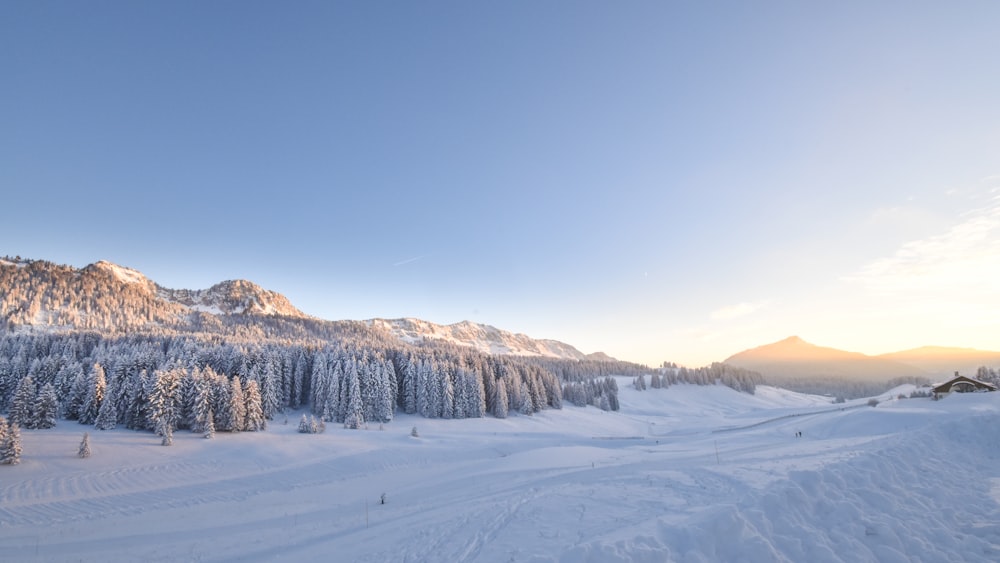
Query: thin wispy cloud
x,y
737,311
408,261
964,259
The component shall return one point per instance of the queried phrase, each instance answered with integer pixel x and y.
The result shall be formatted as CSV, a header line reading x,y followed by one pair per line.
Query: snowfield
x,y
685,474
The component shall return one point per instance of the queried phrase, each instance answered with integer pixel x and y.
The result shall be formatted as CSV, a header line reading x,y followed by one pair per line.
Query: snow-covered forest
x,y
105,346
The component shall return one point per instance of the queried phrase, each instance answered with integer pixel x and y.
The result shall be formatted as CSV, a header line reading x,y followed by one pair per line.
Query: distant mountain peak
x,y
232,297
121,273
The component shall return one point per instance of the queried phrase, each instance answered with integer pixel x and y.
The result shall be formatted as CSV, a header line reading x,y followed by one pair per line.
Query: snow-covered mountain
x,y
484,338
107,297
40,295
232,297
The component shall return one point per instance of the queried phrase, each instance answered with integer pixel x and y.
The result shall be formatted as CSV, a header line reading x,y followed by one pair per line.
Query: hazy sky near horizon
x,y
657,180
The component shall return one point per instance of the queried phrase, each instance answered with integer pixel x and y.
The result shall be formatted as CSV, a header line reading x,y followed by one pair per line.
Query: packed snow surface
x,y
687,474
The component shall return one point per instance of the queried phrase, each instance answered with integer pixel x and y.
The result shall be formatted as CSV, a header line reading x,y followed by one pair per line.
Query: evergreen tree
x,y
526,406
447,395
318,388
77,397
255,420
163,402
137,403
96,387
202,408
384,396
409,388
222,403
188,398
46,407
84,450
237,406
107,415
22,405
331,403
10,449
354,417
304,425
500,401
209,425
4,428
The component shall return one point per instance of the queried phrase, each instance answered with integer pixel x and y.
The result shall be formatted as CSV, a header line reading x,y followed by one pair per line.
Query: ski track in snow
x,y
910,480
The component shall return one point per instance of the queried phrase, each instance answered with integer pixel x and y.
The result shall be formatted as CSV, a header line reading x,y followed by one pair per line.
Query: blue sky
x,y
658,180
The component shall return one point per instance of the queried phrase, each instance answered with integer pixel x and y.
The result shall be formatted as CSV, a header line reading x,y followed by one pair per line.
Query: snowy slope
x,y
681,474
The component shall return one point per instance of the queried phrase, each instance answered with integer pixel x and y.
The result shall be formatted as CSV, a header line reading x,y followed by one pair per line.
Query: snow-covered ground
x,y
682,474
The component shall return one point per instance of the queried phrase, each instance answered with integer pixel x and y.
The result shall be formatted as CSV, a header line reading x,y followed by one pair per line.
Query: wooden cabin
x,y
962,384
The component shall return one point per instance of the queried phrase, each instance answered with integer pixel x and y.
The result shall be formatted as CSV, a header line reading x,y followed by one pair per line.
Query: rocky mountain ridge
x,y
107,297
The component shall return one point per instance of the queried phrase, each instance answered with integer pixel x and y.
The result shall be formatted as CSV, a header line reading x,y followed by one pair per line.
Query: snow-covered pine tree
x,y
500,401
367,374
255,420
77,396
84,450
107,415
46,407
331,403
424,383
384,397
526,405
640,382
96,387
304,425
270,382
222,403
4,428
447,395
137,401
300,387
163,401
237,406
319,381
354,416
10,449
22,404
188,399
202,405
209,425
409,387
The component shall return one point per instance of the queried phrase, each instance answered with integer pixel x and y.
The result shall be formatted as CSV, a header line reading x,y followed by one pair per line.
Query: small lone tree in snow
x,y
309,425
84,451
414,432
